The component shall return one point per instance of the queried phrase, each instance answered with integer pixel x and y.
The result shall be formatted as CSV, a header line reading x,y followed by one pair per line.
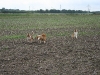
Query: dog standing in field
x,y
75,34
41,38
30,37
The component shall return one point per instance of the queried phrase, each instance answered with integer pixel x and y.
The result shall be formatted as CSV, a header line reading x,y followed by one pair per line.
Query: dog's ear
x,y
75,30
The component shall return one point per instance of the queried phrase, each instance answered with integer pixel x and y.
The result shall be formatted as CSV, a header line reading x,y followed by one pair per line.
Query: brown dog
x,y
30,37
42,37
75,34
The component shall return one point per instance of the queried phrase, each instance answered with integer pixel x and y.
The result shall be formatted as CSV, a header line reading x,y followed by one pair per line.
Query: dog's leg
x,y
40,41
44,41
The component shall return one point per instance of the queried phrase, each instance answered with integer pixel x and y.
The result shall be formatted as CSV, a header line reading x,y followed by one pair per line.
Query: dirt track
x,y
59,56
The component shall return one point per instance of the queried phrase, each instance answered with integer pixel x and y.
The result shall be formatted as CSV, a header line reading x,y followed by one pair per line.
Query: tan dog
x,y
42,37
75,34
30,37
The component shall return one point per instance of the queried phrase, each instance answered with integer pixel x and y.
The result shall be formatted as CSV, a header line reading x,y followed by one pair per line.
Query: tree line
x,y
4,10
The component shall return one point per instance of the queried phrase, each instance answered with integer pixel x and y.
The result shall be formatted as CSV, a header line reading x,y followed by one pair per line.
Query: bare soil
x,y
58,56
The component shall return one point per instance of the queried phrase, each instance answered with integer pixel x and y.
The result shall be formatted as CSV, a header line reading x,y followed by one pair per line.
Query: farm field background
x,y
17,25
60,55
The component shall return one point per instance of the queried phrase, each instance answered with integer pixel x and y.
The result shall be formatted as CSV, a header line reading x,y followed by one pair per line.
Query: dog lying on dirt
x,y
75,34
30,37
41,38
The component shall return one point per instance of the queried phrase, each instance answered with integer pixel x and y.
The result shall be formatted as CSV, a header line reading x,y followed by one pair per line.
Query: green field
x,y
17,25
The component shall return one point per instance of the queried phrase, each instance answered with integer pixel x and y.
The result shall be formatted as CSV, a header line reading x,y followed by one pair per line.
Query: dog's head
x,y
43,35
75,30
28,35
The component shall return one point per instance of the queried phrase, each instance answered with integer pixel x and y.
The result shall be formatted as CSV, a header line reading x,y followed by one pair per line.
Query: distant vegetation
x,y
4,10
17,25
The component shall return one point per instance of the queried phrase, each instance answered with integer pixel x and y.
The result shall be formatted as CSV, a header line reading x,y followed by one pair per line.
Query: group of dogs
x,y
42,37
